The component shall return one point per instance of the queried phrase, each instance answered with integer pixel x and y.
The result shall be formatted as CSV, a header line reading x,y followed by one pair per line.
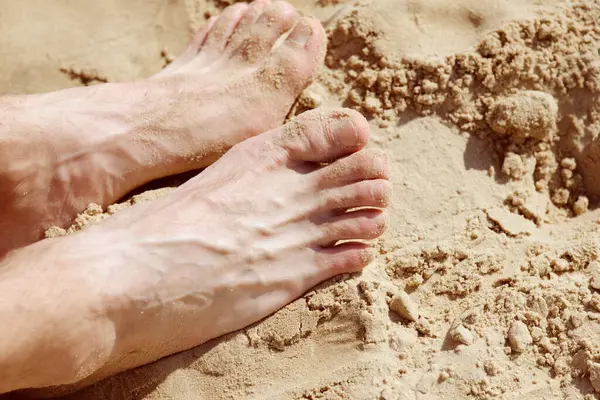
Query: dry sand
x,y
488,281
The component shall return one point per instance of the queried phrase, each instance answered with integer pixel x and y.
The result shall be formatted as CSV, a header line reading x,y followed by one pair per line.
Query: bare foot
x,y
60,151
253,232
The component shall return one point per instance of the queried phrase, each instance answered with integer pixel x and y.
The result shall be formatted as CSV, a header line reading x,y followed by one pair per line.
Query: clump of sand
x,y
526,114
487,284
94,213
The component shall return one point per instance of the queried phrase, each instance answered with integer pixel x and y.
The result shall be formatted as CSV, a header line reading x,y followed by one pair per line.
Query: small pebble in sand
x,y
443,376
568,163
404,306
581,205
519,337
461,334
537,333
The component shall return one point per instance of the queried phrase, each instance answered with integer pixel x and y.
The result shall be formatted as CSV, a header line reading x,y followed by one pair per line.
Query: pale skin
x,y
251,233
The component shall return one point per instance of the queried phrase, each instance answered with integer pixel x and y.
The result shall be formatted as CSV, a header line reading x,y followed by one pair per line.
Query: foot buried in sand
x,y
253,232
95,144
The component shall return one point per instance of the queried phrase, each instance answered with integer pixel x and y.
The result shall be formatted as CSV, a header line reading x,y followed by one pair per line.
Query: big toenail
x,y
378,191
301,33
345,132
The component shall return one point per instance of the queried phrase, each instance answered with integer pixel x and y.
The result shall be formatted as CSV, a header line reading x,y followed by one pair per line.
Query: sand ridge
x,y
487,284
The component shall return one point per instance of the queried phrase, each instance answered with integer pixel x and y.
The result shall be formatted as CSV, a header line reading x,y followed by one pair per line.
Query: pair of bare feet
x,y
251,233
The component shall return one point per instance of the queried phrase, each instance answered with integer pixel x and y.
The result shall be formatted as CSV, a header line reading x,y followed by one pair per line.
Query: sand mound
x,y
488,282
520,81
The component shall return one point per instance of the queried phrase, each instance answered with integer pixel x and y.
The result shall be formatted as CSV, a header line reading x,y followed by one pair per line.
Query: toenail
x,y
301,33
379,164
345,132
378,191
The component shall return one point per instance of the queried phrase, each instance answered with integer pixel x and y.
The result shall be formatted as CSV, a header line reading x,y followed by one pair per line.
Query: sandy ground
x,y
487,284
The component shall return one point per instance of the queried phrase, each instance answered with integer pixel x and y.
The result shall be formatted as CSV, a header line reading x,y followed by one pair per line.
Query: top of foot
x,y
278,214
239,77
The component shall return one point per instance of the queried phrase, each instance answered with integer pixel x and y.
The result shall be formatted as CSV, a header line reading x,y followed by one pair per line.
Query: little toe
x,y
220,33
343,258
193,48
355,225
366,164
370,193
201,35
253,42
293,64
320,135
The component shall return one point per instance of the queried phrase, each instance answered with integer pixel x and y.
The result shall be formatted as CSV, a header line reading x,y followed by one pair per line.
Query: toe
x,y
201,35
367,164
355,225
320,136
192,50
343,258
252,43
294,63
372,193
254,11
218,36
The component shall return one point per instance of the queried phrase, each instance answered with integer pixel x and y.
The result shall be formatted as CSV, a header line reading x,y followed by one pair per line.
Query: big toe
x,y
323,135
253,40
